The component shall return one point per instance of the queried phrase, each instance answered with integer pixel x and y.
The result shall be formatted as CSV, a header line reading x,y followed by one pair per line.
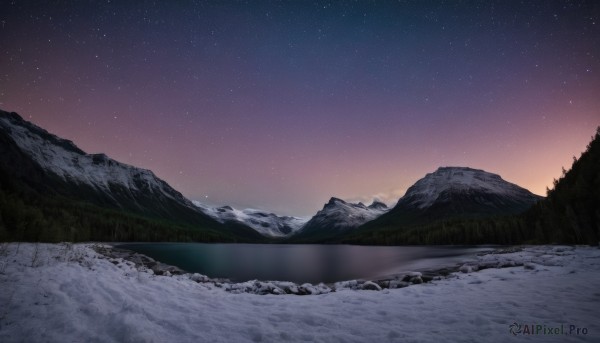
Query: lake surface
x,y
303,263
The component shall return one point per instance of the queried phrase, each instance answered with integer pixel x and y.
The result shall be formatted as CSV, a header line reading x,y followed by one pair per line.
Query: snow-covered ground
x,y
70,293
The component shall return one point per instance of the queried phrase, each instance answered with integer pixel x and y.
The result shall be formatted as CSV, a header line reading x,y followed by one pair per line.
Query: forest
x,y
28,215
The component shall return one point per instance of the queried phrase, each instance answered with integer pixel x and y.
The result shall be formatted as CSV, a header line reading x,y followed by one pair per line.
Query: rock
x,y
383,283
416,280
398,284
371,286
412,275
263,288
306,289
507,264
350,284
289,287
529,266
199,277
445,271
323,289
488,264
465,269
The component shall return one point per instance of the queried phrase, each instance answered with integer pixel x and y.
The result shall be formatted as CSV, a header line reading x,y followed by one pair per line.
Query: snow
x,y
340,215
64,159
65,292
265,223
427,190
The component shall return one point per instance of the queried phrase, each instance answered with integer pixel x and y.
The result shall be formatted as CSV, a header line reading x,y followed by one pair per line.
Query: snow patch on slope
x,y
340,215
461,179
64,159
267,224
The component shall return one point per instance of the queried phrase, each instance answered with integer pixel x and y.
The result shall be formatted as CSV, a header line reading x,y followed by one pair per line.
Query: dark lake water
x,y
303,263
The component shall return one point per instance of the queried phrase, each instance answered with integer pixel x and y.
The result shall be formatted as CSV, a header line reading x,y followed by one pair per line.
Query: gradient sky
x,y
281,105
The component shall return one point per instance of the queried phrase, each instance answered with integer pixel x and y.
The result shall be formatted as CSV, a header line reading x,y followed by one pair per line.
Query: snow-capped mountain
x,y
52,165
461,189
267,224
452,192
338,216
446,183
116,181
65,160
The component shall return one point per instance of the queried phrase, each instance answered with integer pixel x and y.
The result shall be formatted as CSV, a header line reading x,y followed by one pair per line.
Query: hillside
x,y
50,190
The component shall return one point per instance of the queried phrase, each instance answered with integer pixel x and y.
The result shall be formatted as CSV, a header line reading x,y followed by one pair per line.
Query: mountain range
x,y
338,217
44,165
266,223
456,192
447,193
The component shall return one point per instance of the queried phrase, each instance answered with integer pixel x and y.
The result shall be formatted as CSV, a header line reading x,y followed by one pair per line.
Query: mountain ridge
x,y
456,192
266,223
52,166
338,216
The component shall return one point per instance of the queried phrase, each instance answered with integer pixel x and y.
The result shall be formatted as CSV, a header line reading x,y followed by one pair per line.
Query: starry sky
x,y
281,105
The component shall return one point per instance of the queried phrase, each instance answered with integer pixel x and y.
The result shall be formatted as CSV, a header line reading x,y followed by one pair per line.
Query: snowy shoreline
x,y
70,292
262,287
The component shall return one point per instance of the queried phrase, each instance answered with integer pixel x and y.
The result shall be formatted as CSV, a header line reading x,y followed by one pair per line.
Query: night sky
x,y
281,105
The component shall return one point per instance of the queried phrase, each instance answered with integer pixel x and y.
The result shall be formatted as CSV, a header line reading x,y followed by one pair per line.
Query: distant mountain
x,y
461,191
49,165
267,224
457,192
337,217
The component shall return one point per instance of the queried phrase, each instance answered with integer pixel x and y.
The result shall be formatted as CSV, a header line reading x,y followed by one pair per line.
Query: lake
x,y
305,262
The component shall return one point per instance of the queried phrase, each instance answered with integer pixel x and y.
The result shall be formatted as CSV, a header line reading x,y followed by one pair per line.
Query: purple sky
x,y
281,105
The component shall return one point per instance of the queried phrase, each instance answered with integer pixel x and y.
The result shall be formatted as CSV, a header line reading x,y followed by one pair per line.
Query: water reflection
x,y
302,263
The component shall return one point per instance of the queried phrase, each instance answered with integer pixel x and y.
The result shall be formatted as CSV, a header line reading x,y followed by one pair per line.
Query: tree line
x,y
570,214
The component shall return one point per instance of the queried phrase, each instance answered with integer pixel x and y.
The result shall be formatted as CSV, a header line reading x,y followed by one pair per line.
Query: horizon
x,y
374,200
281,106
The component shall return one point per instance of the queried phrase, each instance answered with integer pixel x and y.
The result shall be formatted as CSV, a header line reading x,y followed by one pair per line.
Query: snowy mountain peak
x,y
338,215
116,183
333,201
377,205
434,186
267,224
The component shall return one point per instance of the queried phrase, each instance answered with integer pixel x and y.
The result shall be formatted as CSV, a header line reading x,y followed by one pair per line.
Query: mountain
x,y
47,165
267,224
453,205
457,192
337,217
461,191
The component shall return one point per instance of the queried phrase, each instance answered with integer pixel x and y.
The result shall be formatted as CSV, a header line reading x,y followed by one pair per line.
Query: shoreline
x,y
70,292
262,287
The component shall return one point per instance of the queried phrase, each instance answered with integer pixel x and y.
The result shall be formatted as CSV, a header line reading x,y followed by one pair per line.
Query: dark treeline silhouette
x,y
27,214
